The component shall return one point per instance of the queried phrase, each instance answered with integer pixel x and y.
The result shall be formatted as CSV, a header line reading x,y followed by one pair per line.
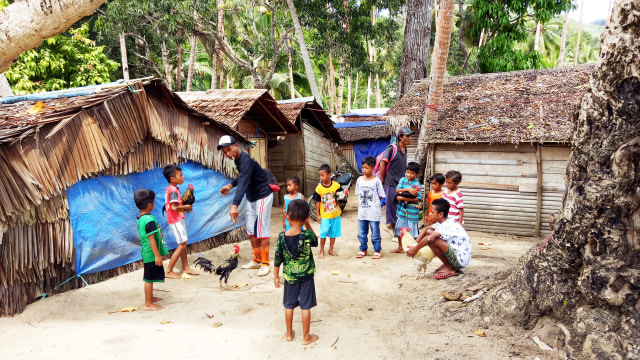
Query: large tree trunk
x,y
217,60
563,41
575,61
192,61
166,66
536,43
584,280
123,56
24,24
180,52
416,48
303,51
438,73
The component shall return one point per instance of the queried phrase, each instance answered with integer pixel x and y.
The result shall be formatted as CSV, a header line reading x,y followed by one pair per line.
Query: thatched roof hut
x,y
514,107
232,106
509,135
52,143
308,109
363,130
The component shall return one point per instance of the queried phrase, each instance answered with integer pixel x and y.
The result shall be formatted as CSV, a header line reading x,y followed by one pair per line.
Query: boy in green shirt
x,y
294,251
153,246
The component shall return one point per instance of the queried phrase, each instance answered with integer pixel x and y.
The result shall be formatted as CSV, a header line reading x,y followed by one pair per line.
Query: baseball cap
x,y
226,140
404,131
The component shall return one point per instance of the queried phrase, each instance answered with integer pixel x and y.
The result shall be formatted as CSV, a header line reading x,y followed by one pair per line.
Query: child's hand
x,y
276,281
188,208
158,260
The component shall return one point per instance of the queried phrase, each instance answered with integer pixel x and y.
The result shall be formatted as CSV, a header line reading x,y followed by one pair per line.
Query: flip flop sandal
x,y
438,269
361,254
441,275
376,256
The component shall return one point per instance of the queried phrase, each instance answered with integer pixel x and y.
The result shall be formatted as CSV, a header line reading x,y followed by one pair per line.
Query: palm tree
x,y
563,42
575,61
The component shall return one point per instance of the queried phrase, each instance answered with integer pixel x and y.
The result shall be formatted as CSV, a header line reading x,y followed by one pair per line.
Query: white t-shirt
x,y
369,193
456,236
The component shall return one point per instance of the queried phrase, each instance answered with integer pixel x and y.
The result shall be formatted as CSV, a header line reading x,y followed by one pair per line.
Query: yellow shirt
x,y
330,208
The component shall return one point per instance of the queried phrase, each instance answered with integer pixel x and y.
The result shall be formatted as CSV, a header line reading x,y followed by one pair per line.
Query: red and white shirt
x,y
172,195
455,202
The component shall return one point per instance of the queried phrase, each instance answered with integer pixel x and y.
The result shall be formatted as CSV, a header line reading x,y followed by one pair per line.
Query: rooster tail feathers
x,y
204,263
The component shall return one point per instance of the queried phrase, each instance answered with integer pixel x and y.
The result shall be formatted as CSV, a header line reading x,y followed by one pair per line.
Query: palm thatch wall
x,y
49,145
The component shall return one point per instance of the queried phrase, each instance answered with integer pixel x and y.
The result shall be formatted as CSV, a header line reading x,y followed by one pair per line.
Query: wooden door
x,y
259,151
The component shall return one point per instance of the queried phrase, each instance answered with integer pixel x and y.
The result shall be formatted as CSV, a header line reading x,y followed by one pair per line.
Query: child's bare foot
x,y
333,253
311,338
172,275
156,299
289,337
398,250
190,271
321,255
153,307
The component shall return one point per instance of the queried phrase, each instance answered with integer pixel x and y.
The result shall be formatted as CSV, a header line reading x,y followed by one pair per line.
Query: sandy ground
x,y
373,309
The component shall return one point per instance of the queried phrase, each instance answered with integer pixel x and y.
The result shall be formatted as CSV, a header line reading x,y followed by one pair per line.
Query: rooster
x,y
188,198
423,257
224,269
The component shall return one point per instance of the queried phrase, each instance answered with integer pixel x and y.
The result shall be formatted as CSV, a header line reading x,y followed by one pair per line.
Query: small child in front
x,y
294,251
452,179
437,180
293,183
175,219
370,193
327,210
447,239
153,246
408,206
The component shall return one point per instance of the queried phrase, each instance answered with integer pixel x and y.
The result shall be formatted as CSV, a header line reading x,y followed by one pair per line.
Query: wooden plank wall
x,y
554,165
317,151
499,184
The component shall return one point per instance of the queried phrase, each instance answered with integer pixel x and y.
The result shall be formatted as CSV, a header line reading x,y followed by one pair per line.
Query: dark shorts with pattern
x,y
153,273
301,294
451,255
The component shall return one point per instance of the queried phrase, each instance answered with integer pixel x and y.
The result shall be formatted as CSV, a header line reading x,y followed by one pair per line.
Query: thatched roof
x,y
356,131
231,106
311,111
519,106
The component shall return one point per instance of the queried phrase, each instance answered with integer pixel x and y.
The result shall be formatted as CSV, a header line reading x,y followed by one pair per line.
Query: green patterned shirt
x,y
302,267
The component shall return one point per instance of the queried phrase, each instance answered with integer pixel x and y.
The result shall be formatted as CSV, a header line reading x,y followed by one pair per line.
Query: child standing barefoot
x,y
370,191
294,251
153,246
175,218
327,210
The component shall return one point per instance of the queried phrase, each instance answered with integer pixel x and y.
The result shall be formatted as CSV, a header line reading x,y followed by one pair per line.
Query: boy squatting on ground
x,y
437,180
175,219
447,239
408,214
293,183
153,246
370,192
294,251
327,210
452,179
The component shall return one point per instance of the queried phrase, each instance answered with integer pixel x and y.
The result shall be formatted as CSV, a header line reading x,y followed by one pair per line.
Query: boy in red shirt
x,y
175,219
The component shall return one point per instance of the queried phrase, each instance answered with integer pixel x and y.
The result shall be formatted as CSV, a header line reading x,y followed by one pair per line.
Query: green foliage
x,y
61,62
505,24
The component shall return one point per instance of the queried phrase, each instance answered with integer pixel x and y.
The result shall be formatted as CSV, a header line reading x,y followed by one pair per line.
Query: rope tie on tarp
x,y
44,295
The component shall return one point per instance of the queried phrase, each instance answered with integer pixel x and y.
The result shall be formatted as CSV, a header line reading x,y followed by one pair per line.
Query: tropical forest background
x,y
355,48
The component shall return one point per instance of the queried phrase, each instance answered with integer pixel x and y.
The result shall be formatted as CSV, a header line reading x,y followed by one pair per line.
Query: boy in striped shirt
x,y
452,179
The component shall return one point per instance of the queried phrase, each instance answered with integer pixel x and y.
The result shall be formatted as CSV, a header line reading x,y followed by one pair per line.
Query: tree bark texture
x,y
563,41
24,24
586,276
438,72
192,61
123,56
575,61
416,47
303,51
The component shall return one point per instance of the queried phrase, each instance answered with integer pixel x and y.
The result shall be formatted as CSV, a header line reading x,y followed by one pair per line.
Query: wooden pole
x,y
538,190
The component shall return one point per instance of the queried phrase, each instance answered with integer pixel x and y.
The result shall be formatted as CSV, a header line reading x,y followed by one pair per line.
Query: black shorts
x,y
153,273
301,294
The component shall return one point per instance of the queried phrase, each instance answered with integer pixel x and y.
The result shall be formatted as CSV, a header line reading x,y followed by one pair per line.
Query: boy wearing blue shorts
x,y
327,210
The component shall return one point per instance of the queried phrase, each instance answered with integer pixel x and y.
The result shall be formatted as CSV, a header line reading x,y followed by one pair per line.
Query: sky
x,y
593,10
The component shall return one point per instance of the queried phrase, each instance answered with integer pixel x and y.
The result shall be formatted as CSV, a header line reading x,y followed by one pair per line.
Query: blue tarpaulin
x,y
103,214
366,148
